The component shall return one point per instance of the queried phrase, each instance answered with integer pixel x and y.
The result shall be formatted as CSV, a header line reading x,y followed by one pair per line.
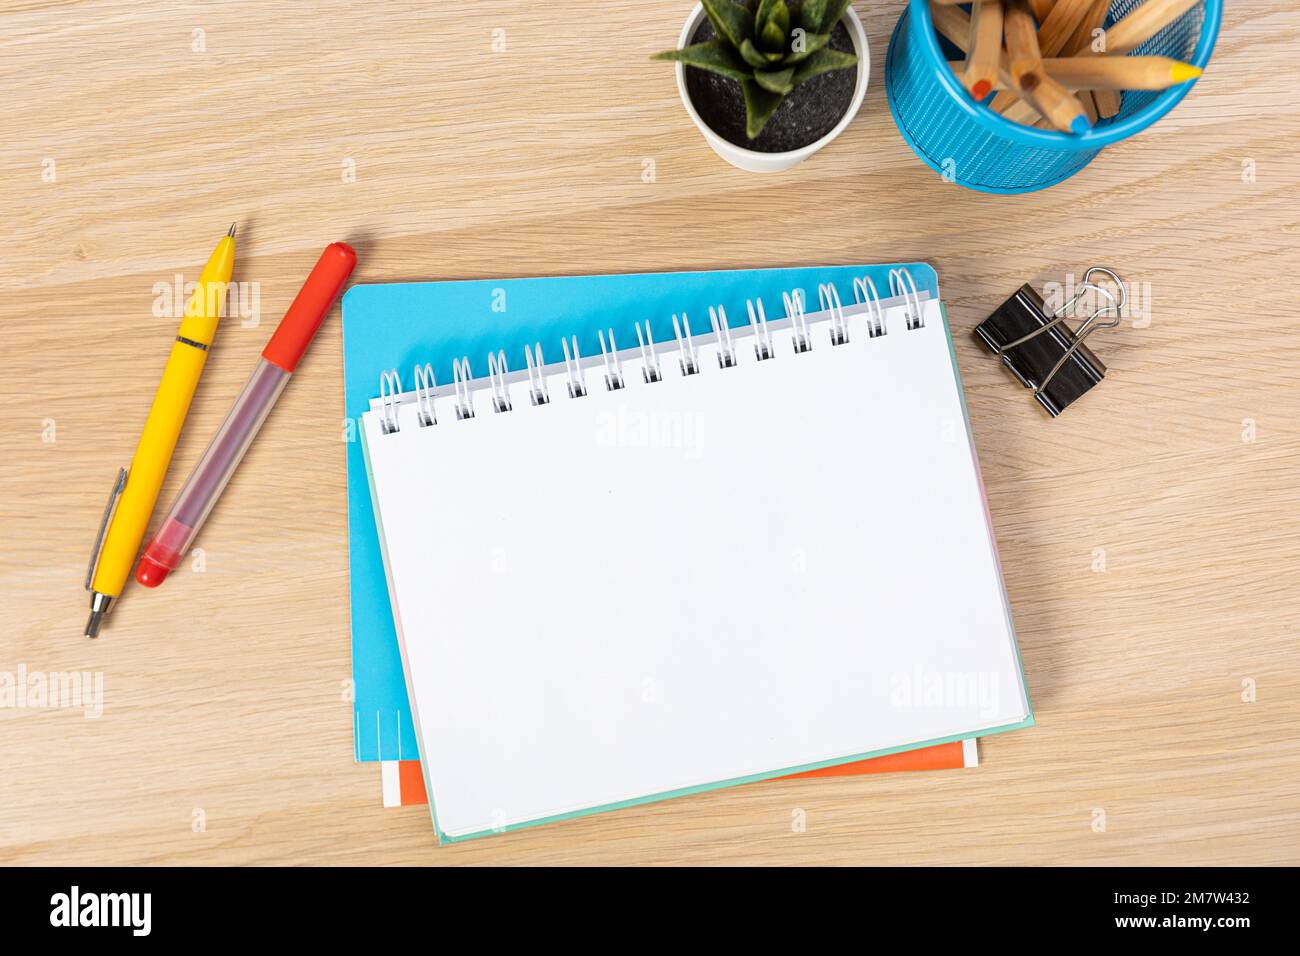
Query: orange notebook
x,y
404,783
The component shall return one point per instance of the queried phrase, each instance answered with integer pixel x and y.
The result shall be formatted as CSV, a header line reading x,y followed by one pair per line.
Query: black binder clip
x,y
1041,350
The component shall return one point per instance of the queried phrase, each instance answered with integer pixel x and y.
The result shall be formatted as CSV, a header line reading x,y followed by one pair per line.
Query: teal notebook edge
x,y
398,325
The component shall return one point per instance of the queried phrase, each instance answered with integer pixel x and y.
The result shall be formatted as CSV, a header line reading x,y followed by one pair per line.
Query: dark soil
x,y
803,117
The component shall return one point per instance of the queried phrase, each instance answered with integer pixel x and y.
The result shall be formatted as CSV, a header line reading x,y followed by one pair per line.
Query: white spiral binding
x,y
650,369
573,367
537,389
726,348
425,383
901,286
911,300
688,359
497,371
864,291
829,298
613,364
762,335
461,377
798,319
390,391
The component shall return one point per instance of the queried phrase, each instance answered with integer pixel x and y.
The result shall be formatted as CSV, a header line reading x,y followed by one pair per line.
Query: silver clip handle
x,y
1090,324
104,522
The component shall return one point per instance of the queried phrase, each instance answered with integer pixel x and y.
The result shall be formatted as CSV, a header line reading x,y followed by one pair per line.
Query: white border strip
x,y
388,771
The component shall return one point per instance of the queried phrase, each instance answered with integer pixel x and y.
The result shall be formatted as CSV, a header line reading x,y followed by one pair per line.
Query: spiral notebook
x,y
688,551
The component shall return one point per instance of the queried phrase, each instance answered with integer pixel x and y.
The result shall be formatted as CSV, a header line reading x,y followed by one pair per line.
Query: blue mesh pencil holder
x,y
970,144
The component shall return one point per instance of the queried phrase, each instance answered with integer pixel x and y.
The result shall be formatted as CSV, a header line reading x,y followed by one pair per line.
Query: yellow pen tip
x,y
1182,72
231,233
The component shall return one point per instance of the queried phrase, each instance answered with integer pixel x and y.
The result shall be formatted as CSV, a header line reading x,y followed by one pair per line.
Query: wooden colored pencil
x,y
985,47
1094,19
1022,112
1114,74
1142,24
1019,111
1024,64
1107,73
1130,32
1005,101
1050,98
954,24
1056,33
1022,61
1126,34
1056,30
1107,102
1089,103
1120,72
1042,8
1023,56
1055,102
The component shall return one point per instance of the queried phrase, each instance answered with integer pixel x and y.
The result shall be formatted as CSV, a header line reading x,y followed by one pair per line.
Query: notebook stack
x,y
622,538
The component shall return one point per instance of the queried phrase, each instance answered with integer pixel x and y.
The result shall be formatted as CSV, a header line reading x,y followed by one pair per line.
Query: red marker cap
x,y
150,573
312,304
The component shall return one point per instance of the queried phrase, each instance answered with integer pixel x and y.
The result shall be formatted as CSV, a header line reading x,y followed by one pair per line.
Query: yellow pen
x,y
136,489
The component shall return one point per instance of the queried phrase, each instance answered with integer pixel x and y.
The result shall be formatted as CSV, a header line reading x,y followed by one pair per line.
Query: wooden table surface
x,y
1150,536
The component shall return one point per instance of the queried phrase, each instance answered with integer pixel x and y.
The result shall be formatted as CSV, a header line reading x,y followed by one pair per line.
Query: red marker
x,y
279,359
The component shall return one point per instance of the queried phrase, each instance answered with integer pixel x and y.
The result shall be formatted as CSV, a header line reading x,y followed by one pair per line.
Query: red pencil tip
x,y
981,89
150,573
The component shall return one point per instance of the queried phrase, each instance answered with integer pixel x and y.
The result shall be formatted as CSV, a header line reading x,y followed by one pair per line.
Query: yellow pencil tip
x,y
1182,72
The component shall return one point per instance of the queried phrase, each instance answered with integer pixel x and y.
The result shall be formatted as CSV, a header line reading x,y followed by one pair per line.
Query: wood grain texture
x,y
224,691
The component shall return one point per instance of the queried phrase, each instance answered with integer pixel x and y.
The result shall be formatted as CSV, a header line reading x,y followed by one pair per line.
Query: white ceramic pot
x,y
753,160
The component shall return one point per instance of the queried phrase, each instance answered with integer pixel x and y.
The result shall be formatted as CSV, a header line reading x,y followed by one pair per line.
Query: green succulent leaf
x,y
713,55
758,58
775,81
781,16
804,45
760,104
772,12
811,15
772,37
831,13
823,61
731,21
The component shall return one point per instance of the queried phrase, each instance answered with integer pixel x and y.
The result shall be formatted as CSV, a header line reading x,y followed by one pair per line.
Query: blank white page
x,y
694,581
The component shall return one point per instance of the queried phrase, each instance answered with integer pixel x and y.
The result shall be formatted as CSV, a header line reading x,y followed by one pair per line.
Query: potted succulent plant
x,y
770,82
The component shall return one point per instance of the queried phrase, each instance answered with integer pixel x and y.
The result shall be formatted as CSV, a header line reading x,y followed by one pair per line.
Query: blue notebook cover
x,y
400,325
